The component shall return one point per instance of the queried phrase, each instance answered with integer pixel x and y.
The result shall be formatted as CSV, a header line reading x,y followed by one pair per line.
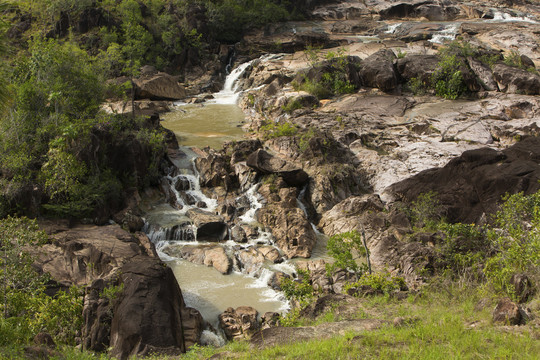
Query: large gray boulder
x,y
265,163
378,70
160,86
210,227
516,81
150,315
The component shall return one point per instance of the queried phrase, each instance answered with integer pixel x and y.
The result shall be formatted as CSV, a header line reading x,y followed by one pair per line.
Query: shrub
x,y
275,130
299,290
447,79
516,240
425,211
346,249
291,106
382,281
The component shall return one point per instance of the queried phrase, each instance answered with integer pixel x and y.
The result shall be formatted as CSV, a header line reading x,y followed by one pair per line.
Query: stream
x,y
169,228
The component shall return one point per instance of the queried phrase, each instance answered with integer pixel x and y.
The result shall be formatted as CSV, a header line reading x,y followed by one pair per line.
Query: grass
x,y
440,327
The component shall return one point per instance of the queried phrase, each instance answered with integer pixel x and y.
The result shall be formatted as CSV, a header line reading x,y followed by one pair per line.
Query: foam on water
x,y
448,33
507,17
392,28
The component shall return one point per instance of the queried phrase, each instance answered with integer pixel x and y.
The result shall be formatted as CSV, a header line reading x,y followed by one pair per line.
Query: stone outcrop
x,y
210,227
265,163
378,71
516,81
507,312
148,315
158,86
473,184
239,323
204,255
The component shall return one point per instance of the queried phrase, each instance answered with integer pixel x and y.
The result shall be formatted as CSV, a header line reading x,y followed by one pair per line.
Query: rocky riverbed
x,y
320,167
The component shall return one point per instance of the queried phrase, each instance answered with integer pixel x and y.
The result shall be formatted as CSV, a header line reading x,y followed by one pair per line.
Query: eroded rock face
x,y
473,184
210,227
239,323
516,81
150,315
265,163
203,254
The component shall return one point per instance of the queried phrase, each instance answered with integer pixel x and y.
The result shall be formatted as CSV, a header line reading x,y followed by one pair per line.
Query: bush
x,y
346,249
275,130
25,309
447,79
299,290
516,239
382,281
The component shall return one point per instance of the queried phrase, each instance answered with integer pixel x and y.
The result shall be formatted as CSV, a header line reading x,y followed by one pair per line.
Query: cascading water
x,y
170,228
448,33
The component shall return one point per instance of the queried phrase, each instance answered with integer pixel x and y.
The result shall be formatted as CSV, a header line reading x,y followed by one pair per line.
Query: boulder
x,y
484,74
159,86
239,323
215,170
524,289
418,67
472,184
210,227
203,255
516,81
507,312
265,163
150,315
251,260
378,70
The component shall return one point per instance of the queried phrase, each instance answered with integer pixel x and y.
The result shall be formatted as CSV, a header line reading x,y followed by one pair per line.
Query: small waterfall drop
x,y
448,33
230,93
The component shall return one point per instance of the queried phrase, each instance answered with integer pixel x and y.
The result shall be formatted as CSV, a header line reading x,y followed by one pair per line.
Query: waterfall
x,y
230,93
448,33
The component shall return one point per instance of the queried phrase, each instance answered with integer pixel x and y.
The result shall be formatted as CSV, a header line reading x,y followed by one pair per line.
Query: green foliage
x,y
25,308
448,79
333,81
382,281
425,211
274,130
299,290
417,86
292,104
346,249
303,141
516,240
228,19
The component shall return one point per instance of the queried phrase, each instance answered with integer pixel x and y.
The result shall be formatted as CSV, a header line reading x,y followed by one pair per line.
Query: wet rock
x,y
251,260
270,253
160,86
215,170
275,281
204,255
516,81
151,298
238,234
507,312
265,163
239,323
291,230
210,227
378,70
217,257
